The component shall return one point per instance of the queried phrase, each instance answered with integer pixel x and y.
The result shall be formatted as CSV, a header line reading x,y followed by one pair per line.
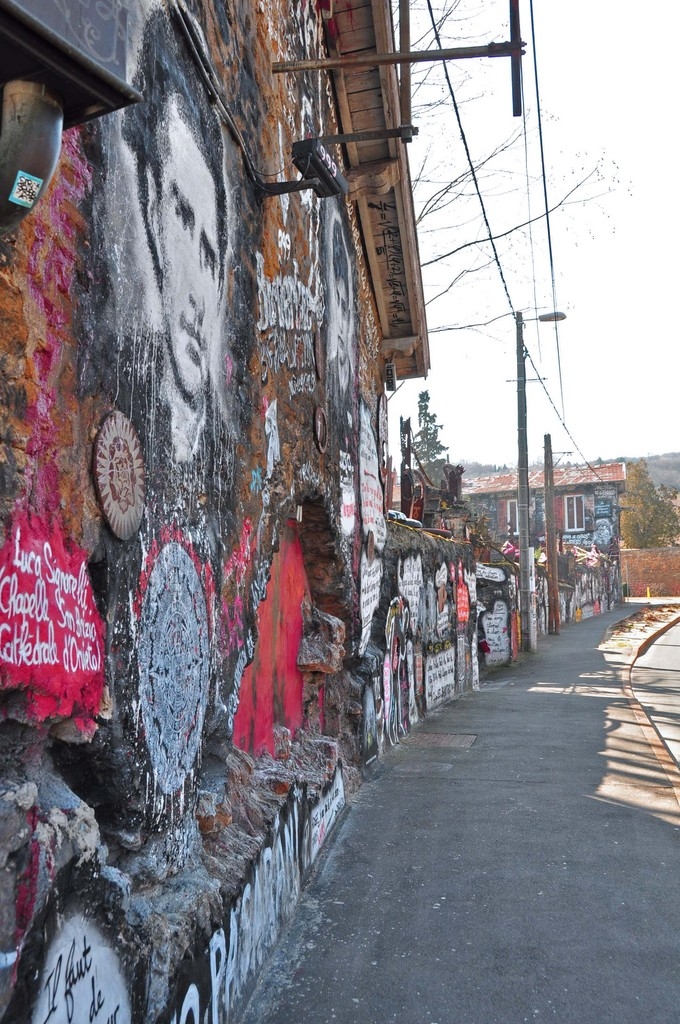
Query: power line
x,y
545,198
469,158
527,355
488,226
527,179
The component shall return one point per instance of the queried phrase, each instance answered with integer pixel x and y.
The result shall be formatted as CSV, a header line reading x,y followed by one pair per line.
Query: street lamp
x,y
529,638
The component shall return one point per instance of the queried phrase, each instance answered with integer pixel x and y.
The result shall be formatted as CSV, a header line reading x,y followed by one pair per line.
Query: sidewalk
x,y
655,681
515,859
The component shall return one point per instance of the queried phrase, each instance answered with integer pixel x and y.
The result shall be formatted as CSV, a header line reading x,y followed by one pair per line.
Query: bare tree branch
x,y
510,231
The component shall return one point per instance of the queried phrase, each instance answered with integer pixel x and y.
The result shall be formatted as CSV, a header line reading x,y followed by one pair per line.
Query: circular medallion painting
x,y
320,429
174,663
119,475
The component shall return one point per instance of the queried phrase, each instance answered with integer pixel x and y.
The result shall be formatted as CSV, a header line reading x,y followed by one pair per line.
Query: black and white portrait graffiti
x,y
160,306
177,148
340,316
174,660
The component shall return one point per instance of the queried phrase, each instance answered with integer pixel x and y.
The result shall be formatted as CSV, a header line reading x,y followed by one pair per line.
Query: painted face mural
x,y
174,264
340,313
189,245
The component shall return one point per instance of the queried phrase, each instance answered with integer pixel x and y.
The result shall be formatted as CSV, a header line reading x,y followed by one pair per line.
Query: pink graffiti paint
x,y
51,267
27,888
239,560
462,597
387,687
51,634
233,627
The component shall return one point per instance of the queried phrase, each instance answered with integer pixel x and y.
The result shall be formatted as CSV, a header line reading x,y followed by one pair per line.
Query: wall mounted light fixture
x,y
319,172
313,161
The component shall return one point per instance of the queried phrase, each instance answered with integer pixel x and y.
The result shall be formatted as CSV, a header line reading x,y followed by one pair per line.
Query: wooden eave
x,y
380,179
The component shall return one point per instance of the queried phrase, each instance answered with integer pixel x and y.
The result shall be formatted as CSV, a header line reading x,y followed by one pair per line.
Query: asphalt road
x,y
515,859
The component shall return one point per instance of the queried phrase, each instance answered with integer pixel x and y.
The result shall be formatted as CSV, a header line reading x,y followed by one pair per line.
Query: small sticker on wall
x,y
25,189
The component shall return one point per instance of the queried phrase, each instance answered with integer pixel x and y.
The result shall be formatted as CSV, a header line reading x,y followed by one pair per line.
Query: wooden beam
x,y
399,346
369,60
375,178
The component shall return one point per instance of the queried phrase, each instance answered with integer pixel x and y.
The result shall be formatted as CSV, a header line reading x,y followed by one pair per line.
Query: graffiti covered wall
x,y
422,646
589,590
207,627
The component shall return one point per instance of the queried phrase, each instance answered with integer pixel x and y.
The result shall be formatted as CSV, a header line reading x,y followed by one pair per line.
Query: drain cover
x,y
459,740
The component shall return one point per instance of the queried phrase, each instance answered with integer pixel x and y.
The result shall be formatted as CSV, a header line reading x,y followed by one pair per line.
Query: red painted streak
x,y
27,889
240,558
271,689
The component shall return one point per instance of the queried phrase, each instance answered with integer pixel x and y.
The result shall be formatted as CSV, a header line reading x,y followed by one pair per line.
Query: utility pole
x,y
551,539
529,639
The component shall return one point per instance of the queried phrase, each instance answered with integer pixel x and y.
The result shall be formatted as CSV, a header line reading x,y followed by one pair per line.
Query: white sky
x,y
609,91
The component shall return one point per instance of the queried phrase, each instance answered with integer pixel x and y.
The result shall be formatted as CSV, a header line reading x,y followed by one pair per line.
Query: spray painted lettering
x,y
497,634
440,677
371,578
323,816
410,582
235,954
288,312
372,497
390,252
51,635
81,982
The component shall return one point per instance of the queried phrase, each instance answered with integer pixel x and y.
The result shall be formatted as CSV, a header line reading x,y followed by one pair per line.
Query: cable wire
x,y
545,198
469,158
527,355
194,39
527,177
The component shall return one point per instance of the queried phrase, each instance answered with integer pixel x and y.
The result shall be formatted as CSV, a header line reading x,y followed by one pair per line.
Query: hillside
x,y
664,469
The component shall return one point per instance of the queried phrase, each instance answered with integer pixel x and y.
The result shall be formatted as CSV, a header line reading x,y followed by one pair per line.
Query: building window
x,y
512,521
574,513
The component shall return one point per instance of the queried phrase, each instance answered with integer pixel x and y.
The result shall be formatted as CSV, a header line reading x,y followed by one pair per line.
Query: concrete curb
x,y
652,638
652,733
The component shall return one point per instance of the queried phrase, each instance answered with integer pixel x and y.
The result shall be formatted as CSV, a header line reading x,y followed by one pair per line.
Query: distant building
x,y
587,503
